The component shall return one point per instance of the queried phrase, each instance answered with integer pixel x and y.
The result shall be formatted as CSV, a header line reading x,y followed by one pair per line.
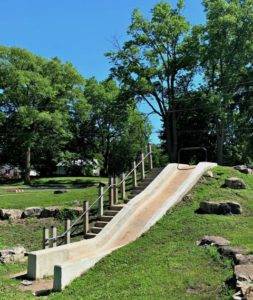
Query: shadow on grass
x,y
65,183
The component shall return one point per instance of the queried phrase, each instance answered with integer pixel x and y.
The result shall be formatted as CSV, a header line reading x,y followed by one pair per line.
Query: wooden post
x,y
101,200
67,235
45,238
142,167
134,175
116,190
123,186
54,235
150,158
85,217
111,193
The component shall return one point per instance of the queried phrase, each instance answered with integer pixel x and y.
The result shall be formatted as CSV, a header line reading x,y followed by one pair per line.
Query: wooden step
x,y
101,224
139,188
117,207
111,213
96,229
90,235
106,218
135,192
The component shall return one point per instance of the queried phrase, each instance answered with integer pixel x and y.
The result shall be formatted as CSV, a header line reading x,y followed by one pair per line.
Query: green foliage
x,y
37,96
158,63
115,132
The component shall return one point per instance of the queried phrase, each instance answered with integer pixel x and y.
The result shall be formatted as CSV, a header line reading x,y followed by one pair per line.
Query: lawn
x,y
77,188
165,263
64,182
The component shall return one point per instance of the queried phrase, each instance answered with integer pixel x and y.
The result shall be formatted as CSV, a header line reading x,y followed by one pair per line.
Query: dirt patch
x,y
41,287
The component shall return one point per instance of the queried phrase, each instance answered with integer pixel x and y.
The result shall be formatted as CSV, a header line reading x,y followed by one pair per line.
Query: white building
x,y
87,168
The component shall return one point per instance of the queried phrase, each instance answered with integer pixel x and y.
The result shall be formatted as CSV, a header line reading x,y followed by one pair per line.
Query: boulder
x,y
241,259
244,169
32,212
235,183
213,240
49,212
10,214
231,251
14,254
220,208
243,273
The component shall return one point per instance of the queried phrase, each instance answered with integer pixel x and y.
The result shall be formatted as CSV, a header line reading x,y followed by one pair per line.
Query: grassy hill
x,y
166,263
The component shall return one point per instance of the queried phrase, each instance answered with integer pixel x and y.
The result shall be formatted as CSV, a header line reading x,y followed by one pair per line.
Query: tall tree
x,y
37,95
117,131
158,64
227,50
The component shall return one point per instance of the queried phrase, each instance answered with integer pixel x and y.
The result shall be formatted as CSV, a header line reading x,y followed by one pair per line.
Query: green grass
x,y
46,198
82,189
65,182
165,263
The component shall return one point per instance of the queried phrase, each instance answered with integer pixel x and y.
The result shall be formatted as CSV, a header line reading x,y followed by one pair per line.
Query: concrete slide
x,y
67,262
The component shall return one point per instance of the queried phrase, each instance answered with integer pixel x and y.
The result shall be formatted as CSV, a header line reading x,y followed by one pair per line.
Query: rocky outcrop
x,y
32,212
50,212
244,281
10,214
235,183
220,208
211,240
12,255
244,169
243,269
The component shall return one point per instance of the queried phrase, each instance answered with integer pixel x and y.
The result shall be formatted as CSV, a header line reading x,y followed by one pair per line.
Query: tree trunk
x,y
174,134
171,137
28,166
220,140
106,156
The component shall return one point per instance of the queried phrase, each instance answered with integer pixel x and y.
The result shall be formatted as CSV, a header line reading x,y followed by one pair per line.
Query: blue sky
x,y
78,31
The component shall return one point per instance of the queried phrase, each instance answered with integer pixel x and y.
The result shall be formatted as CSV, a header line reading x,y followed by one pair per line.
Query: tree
x,y
115,132
37,96
158,64
226,52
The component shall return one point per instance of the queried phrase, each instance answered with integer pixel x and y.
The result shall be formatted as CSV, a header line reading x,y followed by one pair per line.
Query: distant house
x,y
10,172
85,168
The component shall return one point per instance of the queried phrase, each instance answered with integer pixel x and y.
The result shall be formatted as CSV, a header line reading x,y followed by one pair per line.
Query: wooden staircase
x,y
110,213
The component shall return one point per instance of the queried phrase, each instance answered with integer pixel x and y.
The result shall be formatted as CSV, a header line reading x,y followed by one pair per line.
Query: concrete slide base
x,y
68,262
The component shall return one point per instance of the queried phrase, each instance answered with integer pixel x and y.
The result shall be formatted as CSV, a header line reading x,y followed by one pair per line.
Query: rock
x,y
14,254
220,208
244,169
213,240
241,259
32,212
231,251
10,214
26,282
209,174
243,275
49,212
237,296
60,191
235,183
